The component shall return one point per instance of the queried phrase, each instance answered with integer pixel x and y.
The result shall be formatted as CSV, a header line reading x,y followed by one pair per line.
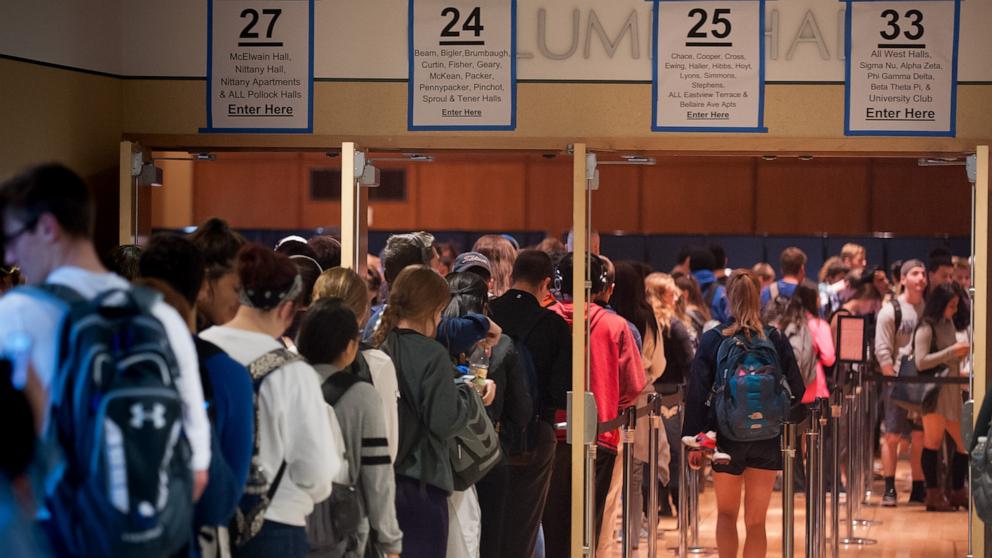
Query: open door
x,y
138,175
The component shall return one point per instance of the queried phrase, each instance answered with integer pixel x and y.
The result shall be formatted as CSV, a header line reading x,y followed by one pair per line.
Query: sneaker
x,y
703,440
889,498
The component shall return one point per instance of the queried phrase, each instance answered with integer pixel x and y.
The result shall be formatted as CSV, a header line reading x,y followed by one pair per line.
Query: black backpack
x,y
117,415
520,441
337,518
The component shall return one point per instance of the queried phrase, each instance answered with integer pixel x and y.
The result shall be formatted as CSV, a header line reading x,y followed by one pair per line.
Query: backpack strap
x,y
773,290
711,294
336,385
897,308
259,369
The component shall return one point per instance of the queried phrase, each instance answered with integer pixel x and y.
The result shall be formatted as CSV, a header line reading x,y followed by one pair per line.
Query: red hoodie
x,y
616,373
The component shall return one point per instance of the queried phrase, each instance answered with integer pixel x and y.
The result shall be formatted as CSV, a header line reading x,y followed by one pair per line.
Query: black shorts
x,y
762,454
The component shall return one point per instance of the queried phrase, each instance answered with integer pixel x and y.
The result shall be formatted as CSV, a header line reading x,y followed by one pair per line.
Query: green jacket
x,y
432,408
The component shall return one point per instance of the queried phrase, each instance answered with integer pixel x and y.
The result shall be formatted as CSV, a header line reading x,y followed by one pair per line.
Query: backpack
x,y
339,517
117,415
258,494
750,395
776,305
519,441
475,449
802,346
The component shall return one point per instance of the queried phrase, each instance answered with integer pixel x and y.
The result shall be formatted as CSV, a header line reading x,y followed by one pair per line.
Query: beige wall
x,y
800,118
49,114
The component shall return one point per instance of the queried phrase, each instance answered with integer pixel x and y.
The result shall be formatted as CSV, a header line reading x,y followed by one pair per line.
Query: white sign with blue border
x,y
463,70
709,66
901,70
260,66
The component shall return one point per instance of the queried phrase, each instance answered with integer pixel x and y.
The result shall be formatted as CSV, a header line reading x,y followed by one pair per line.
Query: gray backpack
x,y
802,346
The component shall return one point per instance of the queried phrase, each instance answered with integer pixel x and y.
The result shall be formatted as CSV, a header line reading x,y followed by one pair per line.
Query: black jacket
x,y
549,341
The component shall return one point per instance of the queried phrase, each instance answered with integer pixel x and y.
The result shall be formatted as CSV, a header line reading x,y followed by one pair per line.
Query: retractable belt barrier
x,y
918,379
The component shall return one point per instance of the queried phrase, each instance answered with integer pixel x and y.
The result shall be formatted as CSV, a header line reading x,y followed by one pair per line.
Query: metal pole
x,y
788,489
835,414
694,475
628,473
654,427
862,473
821,477
590,498
852,479
812,484
683,502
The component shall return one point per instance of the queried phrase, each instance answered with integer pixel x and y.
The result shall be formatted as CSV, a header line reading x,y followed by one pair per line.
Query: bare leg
x,y
728,504
757,493
890,454
934,426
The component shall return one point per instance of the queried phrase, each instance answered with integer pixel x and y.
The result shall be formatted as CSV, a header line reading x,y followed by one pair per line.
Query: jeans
x,y
275,540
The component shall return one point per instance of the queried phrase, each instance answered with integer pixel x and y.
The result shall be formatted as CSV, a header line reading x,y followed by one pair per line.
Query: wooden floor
x,y
907,531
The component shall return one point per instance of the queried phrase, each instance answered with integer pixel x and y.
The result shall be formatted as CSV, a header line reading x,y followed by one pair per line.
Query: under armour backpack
x,y
750,395
126,487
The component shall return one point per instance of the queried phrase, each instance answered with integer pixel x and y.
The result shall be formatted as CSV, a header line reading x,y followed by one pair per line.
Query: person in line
x,y
371,364
630,301
938,353
227,391
616,378
792,263
309,270
432,408
752,465
720,262
714,294
595,242
545,335
328,339
123,261
894,329
500,253
823,341
476,263
512,408
218,301
293,432
765,273
854,256
695,308
48,218
668,304
831,277
327,250
604,298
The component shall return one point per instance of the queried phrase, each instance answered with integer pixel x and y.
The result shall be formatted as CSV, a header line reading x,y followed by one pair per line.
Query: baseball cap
x,y
468,260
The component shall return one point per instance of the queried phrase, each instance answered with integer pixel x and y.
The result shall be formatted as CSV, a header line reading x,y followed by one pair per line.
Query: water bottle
x,y
478,364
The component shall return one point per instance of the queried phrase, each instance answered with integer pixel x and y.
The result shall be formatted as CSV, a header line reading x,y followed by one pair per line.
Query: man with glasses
x,y
47,217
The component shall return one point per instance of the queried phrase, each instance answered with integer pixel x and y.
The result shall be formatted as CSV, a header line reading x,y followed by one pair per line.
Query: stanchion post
x,y
590,499
630,415
835,414
853,493
788,489
683,502
821,480
654,427
812,484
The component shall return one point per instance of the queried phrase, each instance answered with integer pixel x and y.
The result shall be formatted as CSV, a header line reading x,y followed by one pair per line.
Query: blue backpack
x,y
126,485
750,395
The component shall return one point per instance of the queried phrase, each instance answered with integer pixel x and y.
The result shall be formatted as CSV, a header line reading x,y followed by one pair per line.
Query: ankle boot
x,y
937,501
958,498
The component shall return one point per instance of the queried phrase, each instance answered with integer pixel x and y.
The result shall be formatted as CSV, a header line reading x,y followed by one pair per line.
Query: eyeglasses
x,y
29,226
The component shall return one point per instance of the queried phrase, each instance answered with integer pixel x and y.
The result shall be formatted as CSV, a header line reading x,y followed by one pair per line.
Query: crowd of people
x,y
202,395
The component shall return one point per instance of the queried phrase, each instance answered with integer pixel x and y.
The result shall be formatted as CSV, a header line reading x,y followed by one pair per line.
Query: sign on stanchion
x,y
259,66
709,66
901,67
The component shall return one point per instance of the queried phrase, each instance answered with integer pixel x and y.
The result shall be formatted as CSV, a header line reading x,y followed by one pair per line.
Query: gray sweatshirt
x,y
360,414
891,345
944,355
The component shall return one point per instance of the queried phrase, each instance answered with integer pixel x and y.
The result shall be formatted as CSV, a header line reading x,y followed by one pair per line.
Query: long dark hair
x,y
630,301
937,301
469,294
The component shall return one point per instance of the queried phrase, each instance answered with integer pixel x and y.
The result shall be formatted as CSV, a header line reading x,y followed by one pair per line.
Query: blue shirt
x,y
719,307
784,290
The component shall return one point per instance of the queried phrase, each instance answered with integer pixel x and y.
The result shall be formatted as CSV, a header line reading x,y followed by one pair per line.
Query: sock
x,y
960,469
929,462
890,484
918,488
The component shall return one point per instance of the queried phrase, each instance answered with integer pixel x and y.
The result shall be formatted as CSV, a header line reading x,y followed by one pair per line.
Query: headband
x,y
315,262
267,300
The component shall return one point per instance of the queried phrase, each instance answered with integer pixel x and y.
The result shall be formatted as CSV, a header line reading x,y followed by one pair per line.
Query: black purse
x,y
911,396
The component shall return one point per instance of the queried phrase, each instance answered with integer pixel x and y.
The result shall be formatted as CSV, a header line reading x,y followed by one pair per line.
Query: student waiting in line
x,y
296,456
752,443
328,339
218,301
432,408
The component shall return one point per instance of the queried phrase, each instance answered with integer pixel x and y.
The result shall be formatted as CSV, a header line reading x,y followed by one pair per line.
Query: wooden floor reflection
x,y
907,531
